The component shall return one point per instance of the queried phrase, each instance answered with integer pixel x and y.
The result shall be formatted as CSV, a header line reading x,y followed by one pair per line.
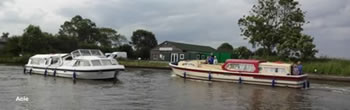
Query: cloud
x,y
206,22
329,25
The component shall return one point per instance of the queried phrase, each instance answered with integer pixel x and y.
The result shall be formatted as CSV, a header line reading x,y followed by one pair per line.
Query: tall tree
x,y
275,25
33,40
5,35
111,37
81,28
143,42
243,52
12,47
128,49
225,47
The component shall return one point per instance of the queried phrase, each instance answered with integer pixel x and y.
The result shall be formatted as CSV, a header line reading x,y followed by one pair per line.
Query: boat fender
x,y
115,74
24,70
30,71
273,83
54,73
185,75
308,84
74,75
45,73
240,80
209,77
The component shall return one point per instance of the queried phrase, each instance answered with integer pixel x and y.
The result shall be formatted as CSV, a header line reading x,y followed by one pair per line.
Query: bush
x,y
14,60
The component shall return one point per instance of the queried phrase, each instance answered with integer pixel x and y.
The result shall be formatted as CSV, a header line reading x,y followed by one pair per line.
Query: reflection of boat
x,y
242,71
81,64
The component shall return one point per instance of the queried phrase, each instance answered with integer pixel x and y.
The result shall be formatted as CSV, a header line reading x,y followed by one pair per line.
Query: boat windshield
x,y
87,52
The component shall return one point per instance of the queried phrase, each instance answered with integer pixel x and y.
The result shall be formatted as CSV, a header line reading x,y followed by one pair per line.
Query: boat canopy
x,y
87,52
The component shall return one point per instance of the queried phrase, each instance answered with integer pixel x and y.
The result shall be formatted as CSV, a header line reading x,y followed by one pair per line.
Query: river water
x,y
159,90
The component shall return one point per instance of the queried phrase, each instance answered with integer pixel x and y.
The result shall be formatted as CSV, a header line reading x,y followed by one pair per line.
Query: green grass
x,y
144,63
328,66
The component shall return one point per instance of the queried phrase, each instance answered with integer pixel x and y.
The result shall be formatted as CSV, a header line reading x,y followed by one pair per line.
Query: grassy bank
x,y
328,67
144,63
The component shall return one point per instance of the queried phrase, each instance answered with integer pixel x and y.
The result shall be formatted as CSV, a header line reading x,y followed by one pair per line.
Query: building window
x,y
182,56
161,56
155,57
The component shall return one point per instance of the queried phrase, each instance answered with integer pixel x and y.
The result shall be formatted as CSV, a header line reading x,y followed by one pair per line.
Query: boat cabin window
x,y
35,61
82,63
55,60
47,61
114,62
43,61
240,67
76,53
95,53
96,63
106,62
87,52
274,70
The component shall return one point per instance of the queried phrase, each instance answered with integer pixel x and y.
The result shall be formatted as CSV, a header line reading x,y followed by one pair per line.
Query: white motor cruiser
x,y
80,64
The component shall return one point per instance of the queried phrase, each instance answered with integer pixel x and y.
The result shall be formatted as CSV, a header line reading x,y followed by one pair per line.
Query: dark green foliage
x,y
128,49
143,42
225,47
12,47
83,29
276,26
33,41
243,52
74,34
5,35
111,37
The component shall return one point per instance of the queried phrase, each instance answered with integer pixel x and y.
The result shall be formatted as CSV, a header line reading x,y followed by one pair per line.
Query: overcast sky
x,y
205,22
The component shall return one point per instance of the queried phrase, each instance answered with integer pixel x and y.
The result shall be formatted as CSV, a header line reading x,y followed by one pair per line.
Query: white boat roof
x,y
48,55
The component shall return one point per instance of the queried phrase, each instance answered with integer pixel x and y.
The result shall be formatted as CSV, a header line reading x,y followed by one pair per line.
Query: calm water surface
x,y
159,90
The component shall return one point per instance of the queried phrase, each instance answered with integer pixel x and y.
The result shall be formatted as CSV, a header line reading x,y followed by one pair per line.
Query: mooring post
x,y
307,83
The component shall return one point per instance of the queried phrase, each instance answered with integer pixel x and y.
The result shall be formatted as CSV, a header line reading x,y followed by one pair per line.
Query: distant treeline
x,y
75,34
